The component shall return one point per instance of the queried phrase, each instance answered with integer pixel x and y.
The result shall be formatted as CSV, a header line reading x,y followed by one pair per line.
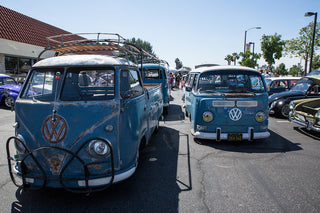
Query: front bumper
x,y
308,124
250,135
34,169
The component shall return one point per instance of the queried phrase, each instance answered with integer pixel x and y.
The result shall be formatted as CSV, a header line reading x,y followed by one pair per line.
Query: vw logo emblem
x,y
235,114
54,129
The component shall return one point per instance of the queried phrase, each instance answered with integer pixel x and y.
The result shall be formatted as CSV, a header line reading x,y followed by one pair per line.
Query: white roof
x,y
211,68
283,78
87,60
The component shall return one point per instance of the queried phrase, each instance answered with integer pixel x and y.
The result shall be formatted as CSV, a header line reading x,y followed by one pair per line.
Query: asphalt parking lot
x,y
177,174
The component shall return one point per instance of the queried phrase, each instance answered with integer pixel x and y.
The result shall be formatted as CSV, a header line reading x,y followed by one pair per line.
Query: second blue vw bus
x,y
227,103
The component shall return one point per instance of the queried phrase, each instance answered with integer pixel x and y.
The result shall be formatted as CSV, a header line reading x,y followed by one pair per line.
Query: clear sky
x,y
195,31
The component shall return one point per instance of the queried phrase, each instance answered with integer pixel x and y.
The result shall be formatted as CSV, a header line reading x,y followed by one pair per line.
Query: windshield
x,y
88,84
230,82
6,81
302,86
79,84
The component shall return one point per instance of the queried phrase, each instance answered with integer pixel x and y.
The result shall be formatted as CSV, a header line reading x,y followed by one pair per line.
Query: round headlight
x,y
260,116
98,148
207,116
317,115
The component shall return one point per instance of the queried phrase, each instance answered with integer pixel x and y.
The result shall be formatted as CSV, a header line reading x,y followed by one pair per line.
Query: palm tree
x,y
235,58
229,59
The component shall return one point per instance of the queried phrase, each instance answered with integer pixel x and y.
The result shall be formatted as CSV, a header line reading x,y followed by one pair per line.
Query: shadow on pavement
x,y
277,145
175,113
153,188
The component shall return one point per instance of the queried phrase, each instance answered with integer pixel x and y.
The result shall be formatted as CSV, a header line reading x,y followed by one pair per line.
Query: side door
x,y
133,116
187,93
193,100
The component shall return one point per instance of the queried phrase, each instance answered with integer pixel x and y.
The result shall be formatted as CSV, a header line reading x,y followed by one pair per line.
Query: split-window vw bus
x,y
227,103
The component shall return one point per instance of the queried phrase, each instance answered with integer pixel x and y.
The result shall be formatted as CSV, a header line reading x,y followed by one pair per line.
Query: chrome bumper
x,y
250,135
308,125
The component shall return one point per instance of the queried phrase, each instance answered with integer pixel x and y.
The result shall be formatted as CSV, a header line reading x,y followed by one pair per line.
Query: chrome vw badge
x,y
54,129
235,114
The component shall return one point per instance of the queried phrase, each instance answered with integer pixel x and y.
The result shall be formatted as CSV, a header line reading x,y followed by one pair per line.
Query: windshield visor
x,y
230,82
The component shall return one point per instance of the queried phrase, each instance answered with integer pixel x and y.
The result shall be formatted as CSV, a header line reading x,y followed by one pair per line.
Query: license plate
x,y
234,137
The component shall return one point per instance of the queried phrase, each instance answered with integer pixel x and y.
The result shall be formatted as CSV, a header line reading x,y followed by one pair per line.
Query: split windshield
x,y
230,82
76,85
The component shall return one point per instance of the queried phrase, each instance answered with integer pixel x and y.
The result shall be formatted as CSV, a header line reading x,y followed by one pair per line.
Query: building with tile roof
x,y
22,38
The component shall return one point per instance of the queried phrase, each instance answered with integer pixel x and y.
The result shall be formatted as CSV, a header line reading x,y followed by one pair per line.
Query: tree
x,y
271,47
301,46
296,70
145,45
248,59
316,62
179,64
236,57
229,59
281,69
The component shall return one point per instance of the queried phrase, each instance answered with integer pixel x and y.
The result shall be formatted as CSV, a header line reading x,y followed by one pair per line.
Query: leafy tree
x,y
296,70
229,59
271,47
281,69
179,64
316,62
301,46
249,60
145,45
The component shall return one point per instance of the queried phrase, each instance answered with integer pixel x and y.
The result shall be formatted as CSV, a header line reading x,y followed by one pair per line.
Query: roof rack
x,y
89,43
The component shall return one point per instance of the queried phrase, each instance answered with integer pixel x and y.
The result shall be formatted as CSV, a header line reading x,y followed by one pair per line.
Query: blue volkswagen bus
x,y
227,103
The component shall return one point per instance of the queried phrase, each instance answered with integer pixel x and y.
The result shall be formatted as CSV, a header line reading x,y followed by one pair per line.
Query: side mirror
x,y
188,88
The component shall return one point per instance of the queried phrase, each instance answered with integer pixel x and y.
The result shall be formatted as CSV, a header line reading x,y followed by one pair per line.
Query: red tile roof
x,y
18,27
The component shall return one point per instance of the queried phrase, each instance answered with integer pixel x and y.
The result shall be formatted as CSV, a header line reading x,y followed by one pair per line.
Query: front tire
x,y
285,110
8,102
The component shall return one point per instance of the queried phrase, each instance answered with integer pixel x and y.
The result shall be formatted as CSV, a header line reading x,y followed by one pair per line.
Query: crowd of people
x,y
176,80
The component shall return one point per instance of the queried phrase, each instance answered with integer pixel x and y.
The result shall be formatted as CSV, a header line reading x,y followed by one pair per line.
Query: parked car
x,y
78,133
9,90
306,112
227,103
280,84
307,87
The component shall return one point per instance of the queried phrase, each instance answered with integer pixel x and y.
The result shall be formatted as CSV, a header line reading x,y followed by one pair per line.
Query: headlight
x,y
207,116
291,105
317,115
98,148
272,105
18,144
260,116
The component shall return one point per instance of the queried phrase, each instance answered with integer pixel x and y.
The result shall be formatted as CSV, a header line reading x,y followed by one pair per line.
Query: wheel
x,y
285,110
8,102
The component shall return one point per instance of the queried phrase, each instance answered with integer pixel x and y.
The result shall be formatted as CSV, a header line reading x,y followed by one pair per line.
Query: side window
x,y
190,79
151,73
194,82
129,84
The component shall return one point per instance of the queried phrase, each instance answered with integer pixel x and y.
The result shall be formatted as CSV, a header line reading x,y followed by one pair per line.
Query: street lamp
x,y
314,32
252,54
245,37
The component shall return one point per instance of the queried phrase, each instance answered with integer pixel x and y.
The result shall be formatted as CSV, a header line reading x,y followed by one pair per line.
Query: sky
x,y
195,31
